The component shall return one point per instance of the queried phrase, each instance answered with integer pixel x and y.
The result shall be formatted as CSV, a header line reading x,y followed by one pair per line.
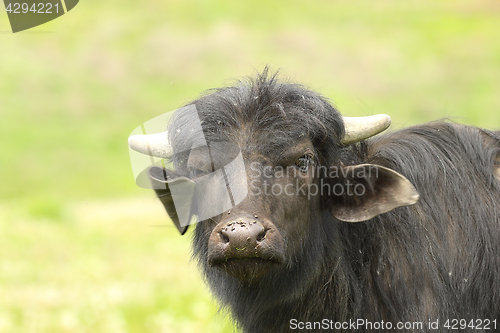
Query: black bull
x,y
425,250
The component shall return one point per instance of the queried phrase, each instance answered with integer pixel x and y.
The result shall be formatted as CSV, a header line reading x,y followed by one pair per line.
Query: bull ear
x,y
371,190
161,180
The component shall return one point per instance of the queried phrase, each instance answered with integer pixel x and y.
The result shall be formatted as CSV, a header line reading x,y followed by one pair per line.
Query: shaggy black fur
x,y
436,260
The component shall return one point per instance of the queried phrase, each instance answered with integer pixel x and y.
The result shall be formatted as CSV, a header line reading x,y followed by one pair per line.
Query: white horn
x,y
151,144
360,128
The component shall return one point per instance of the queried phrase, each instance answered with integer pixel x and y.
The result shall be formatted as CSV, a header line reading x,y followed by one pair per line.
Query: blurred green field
x,y
80,247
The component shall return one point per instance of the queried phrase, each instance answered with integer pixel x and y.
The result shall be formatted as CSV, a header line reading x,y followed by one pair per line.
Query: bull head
x,y
246,243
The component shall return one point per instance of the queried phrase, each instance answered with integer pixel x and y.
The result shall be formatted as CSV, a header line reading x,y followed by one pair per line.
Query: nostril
x,y
224,238
261,236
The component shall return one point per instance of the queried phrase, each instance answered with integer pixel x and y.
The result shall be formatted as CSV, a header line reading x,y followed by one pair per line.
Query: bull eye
x,y
496,167
304,163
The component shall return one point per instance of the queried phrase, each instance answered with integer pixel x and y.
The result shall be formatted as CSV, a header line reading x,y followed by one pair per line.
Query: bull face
x,y
249,241
292,147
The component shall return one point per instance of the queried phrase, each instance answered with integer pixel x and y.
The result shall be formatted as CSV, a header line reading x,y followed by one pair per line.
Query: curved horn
x,y
151,144
360,128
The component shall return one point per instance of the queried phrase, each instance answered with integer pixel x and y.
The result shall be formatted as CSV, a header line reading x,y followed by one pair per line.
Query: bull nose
x,y
241,235
246,247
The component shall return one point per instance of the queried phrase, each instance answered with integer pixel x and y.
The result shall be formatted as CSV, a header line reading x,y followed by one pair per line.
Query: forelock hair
x,y
264,107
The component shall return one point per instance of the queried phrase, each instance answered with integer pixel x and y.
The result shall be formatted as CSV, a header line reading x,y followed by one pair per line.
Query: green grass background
x,y
82,248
